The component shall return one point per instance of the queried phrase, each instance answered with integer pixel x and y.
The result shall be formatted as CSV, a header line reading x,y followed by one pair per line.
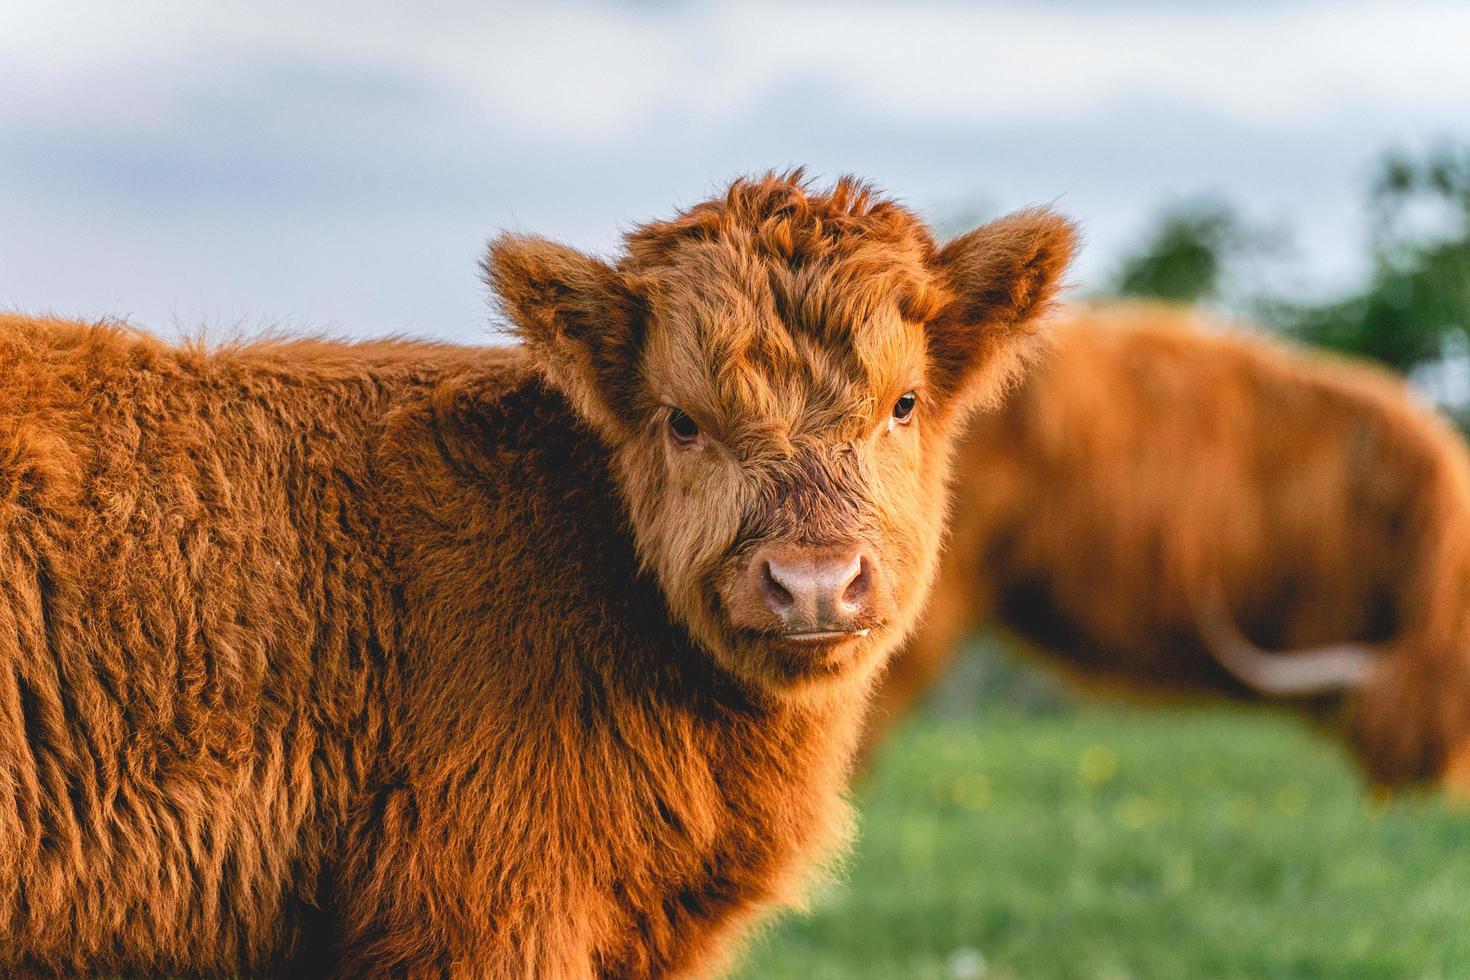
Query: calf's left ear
x,y
578,317
1003,277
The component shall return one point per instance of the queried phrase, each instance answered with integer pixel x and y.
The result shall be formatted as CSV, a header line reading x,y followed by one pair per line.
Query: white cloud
x,y
345,161
581,71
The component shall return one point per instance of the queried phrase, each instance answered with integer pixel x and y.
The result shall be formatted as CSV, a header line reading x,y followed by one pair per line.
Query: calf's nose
x,y
807,588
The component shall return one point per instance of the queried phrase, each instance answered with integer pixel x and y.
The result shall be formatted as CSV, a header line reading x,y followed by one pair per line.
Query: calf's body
x,y
402,659
326,650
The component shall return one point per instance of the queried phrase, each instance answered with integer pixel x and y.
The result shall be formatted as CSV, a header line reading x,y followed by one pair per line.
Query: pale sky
x,y
340,166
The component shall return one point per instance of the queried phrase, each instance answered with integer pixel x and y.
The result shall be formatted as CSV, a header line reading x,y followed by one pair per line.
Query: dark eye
x,y
682,426
904,407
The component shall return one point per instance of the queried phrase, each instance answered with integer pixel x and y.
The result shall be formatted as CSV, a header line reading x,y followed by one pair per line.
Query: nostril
x,y
776,594
857,588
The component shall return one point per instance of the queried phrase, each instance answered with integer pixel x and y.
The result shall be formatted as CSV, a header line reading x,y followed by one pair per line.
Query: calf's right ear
x,y
1003,277
579,319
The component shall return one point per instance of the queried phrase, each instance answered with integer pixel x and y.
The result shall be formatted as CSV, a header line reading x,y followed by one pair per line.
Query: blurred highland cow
x,y
1163,502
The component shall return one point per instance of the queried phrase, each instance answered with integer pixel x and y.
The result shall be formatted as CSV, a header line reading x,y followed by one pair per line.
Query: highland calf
x,y
1159,505
544,661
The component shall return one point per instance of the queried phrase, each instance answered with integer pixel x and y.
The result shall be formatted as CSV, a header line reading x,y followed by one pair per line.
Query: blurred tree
x,y
1188,253
1414,310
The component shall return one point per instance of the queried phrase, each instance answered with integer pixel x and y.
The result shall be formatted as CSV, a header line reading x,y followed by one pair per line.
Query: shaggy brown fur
x,y
1145,459
395,658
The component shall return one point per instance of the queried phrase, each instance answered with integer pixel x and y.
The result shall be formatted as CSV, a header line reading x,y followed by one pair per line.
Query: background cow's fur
x,y
400,658
1148,465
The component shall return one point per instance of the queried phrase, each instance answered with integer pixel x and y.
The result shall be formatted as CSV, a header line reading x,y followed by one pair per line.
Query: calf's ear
x,y
579,319
1004,277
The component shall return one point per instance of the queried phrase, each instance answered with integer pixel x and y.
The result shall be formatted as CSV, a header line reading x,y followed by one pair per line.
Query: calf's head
x,y
778,374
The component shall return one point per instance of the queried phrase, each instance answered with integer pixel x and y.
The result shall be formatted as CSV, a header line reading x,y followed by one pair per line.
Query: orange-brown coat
x,y
403,659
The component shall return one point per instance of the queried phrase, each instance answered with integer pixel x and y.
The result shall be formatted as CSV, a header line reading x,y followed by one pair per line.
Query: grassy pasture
x,y
1112,842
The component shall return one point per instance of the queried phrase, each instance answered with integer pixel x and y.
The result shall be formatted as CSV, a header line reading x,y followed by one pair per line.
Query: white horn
x,y
1286,674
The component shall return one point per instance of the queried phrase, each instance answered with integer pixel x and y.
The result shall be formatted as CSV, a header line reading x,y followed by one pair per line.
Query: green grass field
x,y
1105,842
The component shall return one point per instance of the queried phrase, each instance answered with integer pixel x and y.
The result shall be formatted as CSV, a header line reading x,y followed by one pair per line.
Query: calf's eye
x,y
904,407
682,427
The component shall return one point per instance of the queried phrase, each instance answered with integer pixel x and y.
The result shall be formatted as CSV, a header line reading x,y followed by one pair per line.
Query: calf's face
x,y
779,374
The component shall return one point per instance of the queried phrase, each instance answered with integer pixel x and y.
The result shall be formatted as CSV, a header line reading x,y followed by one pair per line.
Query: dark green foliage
x,y
1417,297
1186,258
1412,309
